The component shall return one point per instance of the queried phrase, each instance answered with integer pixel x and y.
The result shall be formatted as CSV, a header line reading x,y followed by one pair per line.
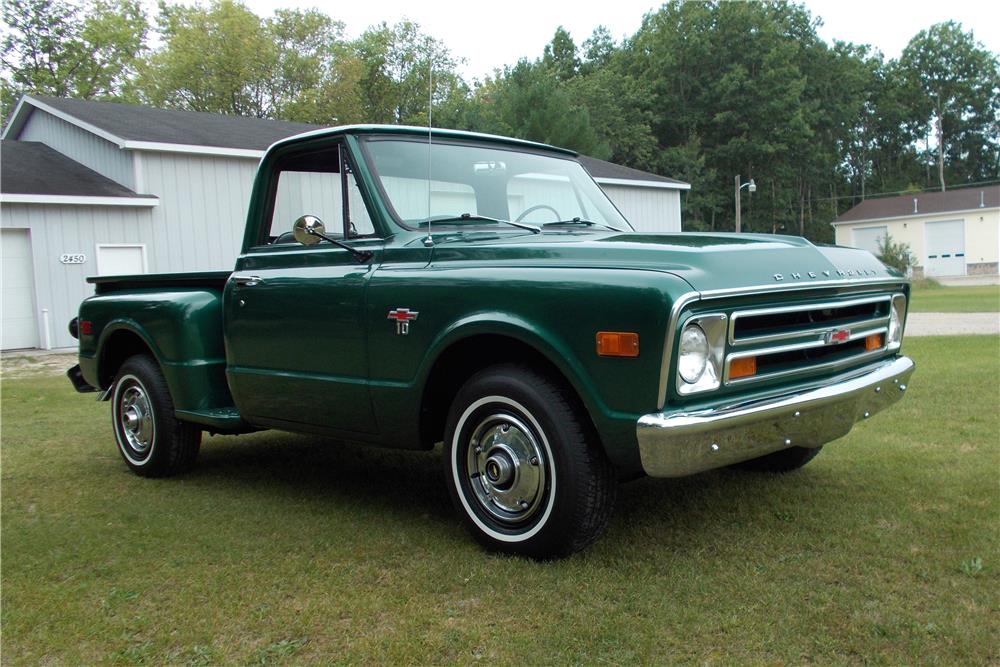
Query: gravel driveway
x,y
949,324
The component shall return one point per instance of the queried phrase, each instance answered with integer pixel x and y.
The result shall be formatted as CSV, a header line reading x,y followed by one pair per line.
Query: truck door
x,y
296,343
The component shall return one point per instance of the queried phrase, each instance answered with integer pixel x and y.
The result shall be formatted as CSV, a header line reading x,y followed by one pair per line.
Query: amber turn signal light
x,y
617,344
873,342
742,367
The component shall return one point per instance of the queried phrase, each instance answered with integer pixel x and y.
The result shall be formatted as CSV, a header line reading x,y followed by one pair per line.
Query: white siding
x,y
89,150
199,223
648,209
71,229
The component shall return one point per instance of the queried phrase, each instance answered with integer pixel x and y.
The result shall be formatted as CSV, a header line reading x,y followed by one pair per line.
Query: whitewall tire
x,y
523,465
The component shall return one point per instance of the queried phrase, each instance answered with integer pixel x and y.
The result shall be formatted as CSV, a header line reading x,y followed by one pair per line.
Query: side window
x,y
312,184
360,220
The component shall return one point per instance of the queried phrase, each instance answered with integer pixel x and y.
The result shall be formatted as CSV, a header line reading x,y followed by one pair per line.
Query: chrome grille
x,y
802,338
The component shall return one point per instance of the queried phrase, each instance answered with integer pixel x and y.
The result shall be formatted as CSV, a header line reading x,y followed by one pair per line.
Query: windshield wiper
x,y
469,217
581,221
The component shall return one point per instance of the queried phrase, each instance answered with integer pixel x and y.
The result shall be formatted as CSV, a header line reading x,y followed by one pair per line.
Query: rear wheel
x,y
151,440
786,460
523,466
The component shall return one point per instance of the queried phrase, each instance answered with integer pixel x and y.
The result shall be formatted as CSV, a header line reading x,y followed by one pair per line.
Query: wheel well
x,y
466,358
119,346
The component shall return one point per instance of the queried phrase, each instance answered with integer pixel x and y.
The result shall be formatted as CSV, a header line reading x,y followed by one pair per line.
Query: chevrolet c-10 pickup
x,y
406,287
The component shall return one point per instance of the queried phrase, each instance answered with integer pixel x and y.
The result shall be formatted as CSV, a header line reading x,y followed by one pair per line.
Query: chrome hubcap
x,y
136,416
506,469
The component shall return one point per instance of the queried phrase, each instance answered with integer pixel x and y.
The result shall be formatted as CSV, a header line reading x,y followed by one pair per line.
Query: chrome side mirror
x,y
308,230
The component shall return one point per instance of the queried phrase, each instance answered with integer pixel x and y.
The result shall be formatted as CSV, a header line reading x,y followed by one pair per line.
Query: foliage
x,y
703,91
52,47
955,84
223,58
897,255
531,102
396,62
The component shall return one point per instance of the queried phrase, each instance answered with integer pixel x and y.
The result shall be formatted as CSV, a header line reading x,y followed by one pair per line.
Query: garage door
x,y
869,238
945,248
18,291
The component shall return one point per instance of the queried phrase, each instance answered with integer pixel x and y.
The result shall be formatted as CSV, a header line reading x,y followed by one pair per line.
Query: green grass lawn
x,y
280,548
939,299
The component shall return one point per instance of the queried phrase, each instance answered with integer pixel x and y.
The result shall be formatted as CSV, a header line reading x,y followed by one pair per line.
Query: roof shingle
x,y
605,169
173,126
923,203
32,168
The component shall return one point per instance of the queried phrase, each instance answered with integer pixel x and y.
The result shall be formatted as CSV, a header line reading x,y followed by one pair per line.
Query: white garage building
x,y
99,188
951,233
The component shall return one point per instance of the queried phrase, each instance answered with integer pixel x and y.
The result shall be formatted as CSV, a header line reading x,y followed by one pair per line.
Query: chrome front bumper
x,y
678,444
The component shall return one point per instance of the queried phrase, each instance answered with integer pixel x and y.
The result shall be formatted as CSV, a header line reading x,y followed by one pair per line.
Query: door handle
x,y
247,281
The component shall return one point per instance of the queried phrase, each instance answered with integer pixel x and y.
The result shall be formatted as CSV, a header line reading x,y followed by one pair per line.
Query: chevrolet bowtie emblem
x,y
402,317
837,336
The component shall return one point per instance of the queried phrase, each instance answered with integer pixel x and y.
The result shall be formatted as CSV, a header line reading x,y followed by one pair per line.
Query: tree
x,y
560,56
55,48
959,85
531,103
897,255
598,49
217,59
395,62
223,58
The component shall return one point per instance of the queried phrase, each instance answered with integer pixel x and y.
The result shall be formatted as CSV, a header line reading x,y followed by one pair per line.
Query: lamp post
x,y
751,187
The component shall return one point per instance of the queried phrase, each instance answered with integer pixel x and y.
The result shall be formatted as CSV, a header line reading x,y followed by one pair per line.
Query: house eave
x,y
78,200
642,184
914,216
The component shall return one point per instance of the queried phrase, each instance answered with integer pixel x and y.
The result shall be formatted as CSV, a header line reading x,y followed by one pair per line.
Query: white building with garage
x,y
99,188
951,233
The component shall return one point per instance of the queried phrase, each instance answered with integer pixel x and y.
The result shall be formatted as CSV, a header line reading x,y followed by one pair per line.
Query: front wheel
x,y
151,440
523,465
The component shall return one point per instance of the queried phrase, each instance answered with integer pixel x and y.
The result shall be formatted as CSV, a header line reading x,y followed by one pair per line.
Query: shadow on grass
x,y
407,484
325,470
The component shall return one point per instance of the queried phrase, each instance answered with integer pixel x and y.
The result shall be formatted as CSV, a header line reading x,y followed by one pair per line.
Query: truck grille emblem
x,y
838,336
402,317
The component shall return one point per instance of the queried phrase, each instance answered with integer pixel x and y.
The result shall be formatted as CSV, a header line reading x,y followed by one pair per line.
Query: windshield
x,y
474,185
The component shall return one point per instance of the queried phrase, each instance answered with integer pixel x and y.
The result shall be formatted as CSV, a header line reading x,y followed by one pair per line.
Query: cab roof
x,y
414,131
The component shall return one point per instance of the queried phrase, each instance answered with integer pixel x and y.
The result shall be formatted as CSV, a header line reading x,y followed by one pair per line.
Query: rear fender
x,y
181,329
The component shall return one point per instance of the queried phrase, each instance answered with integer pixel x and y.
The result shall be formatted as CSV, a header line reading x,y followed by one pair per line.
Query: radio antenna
x,y
429,241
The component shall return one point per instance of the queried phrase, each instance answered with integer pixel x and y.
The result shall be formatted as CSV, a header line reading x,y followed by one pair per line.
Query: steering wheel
x,y
536,207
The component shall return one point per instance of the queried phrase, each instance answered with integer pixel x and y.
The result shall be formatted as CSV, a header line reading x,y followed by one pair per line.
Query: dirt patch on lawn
x,y
34,364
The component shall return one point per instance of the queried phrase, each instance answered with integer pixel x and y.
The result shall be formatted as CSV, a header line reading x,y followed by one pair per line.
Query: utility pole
x,y
751,187
738,203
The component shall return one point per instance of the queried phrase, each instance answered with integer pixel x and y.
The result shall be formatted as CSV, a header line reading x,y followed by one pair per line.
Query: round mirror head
x,y
307,230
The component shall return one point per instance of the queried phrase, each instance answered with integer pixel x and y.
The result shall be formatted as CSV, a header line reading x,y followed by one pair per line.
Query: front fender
x,y
534,334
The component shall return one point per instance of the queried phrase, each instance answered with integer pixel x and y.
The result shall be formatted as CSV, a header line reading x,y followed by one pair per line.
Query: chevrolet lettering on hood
x,y
839,273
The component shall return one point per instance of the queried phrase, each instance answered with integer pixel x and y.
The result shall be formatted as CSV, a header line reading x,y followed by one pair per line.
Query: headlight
x,y
897,313
700,352
693,354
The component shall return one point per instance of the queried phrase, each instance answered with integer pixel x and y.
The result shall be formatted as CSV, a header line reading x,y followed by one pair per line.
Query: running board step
x,y
222,420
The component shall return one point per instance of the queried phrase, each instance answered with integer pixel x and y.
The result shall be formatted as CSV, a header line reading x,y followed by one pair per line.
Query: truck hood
x,y
706,261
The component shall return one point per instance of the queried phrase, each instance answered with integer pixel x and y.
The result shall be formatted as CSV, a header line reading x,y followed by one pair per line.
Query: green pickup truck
x,y
406,288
